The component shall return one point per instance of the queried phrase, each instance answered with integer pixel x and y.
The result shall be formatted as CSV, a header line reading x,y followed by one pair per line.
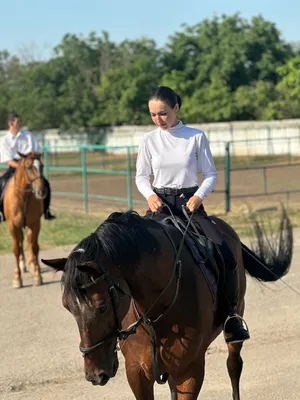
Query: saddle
x,y
205,252
4,181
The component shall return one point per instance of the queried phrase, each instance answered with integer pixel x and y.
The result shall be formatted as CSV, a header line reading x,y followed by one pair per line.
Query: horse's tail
x,y
272,252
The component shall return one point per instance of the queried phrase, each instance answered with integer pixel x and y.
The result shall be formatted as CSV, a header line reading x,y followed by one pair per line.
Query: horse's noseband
x,y
30,181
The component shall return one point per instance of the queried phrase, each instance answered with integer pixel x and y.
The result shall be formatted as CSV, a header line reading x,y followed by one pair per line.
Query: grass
x,y
241,222
70,228
67,229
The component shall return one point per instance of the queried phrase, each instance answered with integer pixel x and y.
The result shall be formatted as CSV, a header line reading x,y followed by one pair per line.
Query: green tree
x,y
225,68
10,70
230,52
34,96
255,102
125,87
287,104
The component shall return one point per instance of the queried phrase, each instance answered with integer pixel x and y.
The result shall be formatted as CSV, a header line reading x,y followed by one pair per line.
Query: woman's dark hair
x,y
12,116
167,95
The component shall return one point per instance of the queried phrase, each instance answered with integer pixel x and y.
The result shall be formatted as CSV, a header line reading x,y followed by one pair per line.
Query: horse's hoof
x,y
17,283
38,281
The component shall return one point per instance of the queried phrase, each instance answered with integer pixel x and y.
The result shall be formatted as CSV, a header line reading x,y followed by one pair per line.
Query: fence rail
x,y
100,160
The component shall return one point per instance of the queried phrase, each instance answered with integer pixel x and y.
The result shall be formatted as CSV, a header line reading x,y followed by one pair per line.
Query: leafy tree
x,y
225,68
287,104
125,88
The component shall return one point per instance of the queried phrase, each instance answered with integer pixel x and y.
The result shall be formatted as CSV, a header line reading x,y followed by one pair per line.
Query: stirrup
x,y
244,326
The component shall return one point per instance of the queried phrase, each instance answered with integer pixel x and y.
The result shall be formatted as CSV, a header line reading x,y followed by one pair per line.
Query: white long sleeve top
x,y
175,157
24,142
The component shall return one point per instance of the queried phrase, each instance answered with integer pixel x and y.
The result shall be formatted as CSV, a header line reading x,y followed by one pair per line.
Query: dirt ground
x,y
243,183
40,359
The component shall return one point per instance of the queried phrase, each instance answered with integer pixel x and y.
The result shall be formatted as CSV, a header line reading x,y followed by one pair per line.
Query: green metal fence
x,y
84,170
87,160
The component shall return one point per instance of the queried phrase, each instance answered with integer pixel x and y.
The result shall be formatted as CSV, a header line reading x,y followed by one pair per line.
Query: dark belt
x,y
174,191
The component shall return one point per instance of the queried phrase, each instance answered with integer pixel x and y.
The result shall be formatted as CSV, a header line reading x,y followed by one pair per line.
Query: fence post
x,y
84,179
129,186
269,139
227,177
46,162
265,180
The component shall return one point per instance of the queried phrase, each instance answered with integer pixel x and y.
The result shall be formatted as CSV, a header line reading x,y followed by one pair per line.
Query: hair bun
x,y
179,102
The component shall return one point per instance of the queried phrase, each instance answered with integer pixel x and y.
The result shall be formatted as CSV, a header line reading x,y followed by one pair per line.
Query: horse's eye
x,y
102,309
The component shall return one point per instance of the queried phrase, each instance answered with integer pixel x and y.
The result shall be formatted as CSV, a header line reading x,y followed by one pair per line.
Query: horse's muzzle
x,y
40,194
103,376
99,380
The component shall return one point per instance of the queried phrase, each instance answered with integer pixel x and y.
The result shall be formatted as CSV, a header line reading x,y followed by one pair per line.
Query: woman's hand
x,y
154,203
194,203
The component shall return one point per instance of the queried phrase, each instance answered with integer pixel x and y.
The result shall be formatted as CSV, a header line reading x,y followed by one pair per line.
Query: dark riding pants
x,y
210,230
200,217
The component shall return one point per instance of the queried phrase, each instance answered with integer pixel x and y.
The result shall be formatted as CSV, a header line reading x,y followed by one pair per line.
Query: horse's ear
x,y
56,263
90,268
22,155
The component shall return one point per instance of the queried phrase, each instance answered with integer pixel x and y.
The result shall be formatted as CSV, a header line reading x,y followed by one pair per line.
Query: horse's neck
x,y
20,181
148,283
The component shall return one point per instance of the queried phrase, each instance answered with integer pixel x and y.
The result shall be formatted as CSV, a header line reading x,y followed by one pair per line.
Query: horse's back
x,y
230,235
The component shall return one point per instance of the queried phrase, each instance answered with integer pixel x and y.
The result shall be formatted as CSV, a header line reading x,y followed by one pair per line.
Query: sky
x,y
37,26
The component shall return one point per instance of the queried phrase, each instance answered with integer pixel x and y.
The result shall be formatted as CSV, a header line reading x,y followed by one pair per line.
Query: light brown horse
x,y
23,207
125,282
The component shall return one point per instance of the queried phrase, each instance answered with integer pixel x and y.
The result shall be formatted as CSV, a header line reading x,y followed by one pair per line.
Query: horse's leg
x,y
173,389
17,236
141,386
22,262
33,252
190,388
234,367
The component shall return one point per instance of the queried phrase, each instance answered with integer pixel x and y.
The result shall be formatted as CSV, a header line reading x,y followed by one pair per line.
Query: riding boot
x,y
3,182
2,185
47,212
2,217
234,330
48,215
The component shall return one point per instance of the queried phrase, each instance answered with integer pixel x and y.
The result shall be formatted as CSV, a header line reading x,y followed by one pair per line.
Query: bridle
x,y
30,181
123,334
113,290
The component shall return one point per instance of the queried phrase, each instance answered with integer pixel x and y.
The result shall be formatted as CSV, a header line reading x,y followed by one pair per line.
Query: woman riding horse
x,y
175,154
14,142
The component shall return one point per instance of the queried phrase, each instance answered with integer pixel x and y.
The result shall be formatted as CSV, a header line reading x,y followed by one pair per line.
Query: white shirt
x,y
175,157
24,142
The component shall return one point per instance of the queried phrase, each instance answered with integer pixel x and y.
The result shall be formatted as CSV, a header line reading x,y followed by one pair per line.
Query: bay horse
x,y
23,207
135,281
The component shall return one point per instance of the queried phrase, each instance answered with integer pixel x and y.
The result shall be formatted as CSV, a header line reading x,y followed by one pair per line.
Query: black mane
x,y
122,240
125,239
73,279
